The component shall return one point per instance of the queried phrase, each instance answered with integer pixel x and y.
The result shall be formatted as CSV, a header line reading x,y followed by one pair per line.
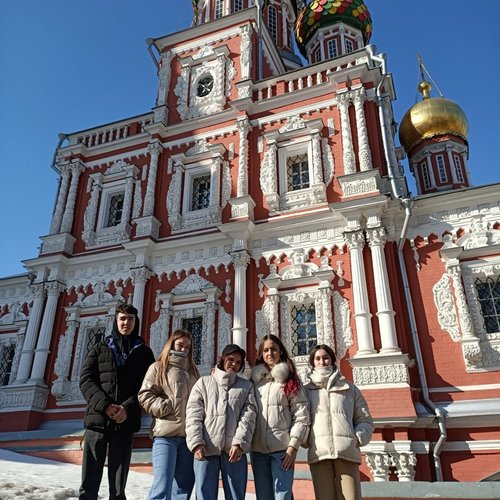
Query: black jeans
x,y
118,446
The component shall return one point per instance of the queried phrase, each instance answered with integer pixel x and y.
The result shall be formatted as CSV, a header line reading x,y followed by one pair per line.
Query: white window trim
x,y
190,173
332,43
426,179
459,168
285,151
441,168
7,340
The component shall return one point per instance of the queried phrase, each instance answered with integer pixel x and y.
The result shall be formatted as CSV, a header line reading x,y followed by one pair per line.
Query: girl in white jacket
x,y
341,423
282,420
163,395
219,427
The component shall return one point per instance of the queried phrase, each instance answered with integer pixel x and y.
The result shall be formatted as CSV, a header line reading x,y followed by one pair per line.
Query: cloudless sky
x,y
66,66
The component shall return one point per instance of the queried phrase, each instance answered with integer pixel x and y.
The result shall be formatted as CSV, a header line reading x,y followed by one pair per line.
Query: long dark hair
x,y
318,347
292,382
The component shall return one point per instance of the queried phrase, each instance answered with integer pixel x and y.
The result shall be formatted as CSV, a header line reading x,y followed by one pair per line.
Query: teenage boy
x,y
111,377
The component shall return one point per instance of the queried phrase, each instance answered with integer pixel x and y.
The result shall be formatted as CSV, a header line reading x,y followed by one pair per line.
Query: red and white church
x,y
264,193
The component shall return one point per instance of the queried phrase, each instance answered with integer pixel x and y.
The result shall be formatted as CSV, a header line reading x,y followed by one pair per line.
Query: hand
x,y
288,459
121,415
111,410
199,453
235,453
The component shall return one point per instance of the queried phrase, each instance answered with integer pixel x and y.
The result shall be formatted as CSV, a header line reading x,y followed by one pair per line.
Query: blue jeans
x,y
270,480
234,477
172,469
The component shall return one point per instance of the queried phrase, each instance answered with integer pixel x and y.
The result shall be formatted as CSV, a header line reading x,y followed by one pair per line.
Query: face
x,y
322,358
125,323
233,362
182,344
270,353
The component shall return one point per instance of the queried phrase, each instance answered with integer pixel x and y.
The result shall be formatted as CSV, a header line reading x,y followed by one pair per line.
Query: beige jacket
x,y
220,413
282,420
167,404
341,421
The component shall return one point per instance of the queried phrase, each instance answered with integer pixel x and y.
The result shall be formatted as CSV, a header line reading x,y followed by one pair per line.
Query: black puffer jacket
x,y
113,373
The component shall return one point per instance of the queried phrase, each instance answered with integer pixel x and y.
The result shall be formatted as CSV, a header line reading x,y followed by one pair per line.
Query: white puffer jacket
x,y
220,413
167,404
341,421
282,420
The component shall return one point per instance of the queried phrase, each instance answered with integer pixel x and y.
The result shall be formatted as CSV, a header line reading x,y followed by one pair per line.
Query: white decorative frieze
x,y
445,305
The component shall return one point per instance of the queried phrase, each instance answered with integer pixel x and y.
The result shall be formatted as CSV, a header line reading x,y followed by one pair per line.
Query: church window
x,y
317,55
349,47
205,86
332,49
238,5
273,23
195,327
95,335
488,293
6,358
219,8
115,210
303,326
458,169
200,198
441,168
425,175
297,169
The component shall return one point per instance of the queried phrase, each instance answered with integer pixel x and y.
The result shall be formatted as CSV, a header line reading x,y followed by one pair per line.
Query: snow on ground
x,y
30,478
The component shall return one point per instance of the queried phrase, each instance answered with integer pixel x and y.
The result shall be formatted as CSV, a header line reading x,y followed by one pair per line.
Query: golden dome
x,y
431,117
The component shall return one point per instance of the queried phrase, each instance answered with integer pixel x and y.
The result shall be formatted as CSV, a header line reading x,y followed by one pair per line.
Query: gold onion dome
x,y
431,117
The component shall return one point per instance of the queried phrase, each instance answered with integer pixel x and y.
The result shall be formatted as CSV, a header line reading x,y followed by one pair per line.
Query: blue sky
x,y
70,65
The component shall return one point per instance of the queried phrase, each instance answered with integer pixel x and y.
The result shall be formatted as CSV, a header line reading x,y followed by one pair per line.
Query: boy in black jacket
x,y
111,377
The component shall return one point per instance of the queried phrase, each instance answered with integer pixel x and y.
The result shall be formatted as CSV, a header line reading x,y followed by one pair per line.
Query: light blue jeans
x,y
172,468
234,477
270,480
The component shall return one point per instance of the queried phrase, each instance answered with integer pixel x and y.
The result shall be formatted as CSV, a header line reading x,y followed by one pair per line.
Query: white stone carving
x,y
405,463
224,331
328,161
445,305
158,332
395,373
194,283
345,125
266,320
359,186
343,331
379,465
293,123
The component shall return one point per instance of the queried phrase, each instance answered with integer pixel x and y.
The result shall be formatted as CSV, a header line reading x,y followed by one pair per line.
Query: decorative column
x,y
317,166
326,336
53,290
140,276
174,197
405,465
464,317
61,199
245,50
241,259
67,221
356,241
379,465
365,155
90,215
345,125
243,126
215,181
154,148
451,162
385,312
35,317
388,118
269,177
161,111
64,356
321,40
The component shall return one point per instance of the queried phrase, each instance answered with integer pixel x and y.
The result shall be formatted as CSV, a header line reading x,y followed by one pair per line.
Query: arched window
x,y
273,22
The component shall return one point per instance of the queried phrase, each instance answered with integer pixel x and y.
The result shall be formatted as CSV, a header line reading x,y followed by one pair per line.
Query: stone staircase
x,y
61,440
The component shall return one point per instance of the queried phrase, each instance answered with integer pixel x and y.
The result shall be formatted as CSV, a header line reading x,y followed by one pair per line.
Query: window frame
x,y
191,172
272,22
425,175
286,151
441,168
459,168
332,42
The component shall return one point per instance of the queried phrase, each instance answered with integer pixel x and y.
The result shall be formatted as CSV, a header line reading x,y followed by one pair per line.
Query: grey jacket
x,y
220,413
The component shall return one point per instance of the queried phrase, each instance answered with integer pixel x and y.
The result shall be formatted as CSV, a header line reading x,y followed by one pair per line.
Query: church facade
x,y
264,193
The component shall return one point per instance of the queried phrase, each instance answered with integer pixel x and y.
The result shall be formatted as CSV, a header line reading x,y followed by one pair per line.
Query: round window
x,y
205,86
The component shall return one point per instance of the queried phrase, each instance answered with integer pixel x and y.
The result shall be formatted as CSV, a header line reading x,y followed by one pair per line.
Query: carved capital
x,y
376,236
355,240
240,258
140,274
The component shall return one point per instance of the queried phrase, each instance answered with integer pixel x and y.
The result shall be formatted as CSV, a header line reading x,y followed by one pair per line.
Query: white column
x,y
321,40
241,259
243,126
35,317
365,155
317,166
464,317
61,200
155,148
42,347
215,181
430,169
140,276
453,170
345,125
356,241
67,221
385,311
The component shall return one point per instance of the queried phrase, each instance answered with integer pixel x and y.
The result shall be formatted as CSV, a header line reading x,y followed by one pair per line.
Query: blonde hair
x,y
164,357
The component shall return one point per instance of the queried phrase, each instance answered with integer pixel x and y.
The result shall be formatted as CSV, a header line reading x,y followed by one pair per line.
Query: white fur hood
x,y
279,373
